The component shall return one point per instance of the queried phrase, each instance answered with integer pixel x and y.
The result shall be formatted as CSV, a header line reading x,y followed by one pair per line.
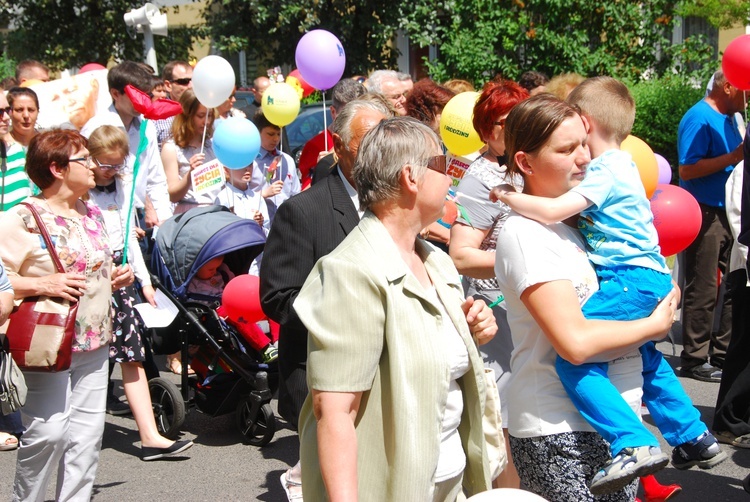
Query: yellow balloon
x,y
280,104
645,161
456,128
30,82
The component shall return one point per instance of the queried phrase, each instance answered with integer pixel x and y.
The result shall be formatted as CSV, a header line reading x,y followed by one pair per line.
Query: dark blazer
x,y
306,227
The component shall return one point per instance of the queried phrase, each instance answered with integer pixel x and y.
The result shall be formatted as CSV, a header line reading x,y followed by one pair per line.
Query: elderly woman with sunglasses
x,y
64,411
397,385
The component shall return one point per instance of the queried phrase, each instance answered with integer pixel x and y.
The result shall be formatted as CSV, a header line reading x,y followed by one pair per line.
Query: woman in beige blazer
x,y
397,385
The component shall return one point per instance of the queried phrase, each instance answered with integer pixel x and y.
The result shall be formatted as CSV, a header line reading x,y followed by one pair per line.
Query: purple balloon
x,y
320,59
665,170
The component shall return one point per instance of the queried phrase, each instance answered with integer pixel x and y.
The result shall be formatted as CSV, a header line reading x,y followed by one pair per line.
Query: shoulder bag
x,y
41,329
12,385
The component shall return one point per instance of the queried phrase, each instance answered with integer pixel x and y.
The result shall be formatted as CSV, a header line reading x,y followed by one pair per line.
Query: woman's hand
x,y
481,320
122,276
149,294
197,160
272,189
66,286
663,314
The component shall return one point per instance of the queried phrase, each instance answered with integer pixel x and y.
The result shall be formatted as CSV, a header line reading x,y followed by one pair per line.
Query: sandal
x,y
292,489
727,437
8,442
175,366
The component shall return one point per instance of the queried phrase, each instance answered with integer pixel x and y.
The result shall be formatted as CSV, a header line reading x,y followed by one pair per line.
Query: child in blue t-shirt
x,y
617,224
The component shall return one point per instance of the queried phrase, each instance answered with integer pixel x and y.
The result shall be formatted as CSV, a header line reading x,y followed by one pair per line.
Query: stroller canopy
x,y
186,242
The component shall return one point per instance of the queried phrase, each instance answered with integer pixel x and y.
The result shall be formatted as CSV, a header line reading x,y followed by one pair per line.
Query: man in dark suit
x,y
307,227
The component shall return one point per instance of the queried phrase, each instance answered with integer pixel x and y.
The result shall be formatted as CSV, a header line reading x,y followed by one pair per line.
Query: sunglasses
x,y
500,123
5,111
438,163
182,81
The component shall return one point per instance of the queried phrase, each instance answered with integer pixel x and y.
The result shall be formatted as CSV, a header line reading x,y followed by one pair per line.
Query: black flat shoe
x,y
148,453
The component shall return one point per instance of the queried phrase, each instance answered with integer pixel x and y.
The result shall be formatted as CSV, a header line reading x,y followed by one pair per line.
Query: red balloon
x,y
677,218
307,89
736,62
91,67
241,299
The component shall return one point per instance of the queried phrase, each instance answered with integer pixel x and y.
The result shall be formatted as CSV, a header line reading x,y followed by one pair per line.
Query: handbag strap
x,y
45,235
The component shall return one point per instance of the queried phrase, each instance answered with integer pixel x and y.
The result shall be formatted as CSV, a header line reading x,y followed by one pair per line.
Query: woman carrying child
x,y
109,147
545,276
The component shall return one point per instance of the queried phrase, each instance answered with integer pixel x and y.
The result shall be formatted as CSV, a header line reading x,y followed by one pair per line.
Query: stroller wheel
x,y
169,408
258,430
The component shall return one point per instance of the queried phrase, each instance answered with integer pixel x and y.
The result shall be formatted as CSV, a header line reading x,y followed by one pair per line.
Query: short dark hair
x,y
28,64
129,72
344,91
261,122
530,80
22,91
167,73
55,145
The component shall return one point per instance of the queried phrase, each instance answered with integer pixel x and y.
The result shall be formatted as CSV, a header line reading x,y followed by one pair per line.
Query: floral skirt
x,y
127,326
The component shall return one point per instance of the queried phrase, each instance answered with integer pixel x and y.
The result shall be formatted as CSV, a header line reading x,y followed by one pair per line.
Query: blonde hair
x,y
108,139
608,102
562,85
458,86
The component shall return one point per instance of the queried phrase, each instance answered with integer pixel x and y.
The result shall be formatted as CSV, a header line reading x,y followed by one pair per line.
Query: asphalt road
x,y
220,467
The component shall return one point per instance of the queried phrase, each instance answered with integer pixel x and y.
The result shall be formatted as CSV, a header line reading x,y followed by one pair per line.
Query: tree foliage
x,y
271,30
720,13
478,38
67,33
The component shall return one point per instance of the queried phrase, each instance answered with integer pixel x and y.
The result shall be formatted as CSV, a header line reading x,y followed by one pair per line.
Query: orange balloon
x,y
645,161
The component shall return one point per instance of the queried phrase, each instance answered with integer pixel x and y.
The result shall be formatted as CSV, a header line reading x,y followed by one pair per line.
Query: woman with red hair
x,y
474,235
425,102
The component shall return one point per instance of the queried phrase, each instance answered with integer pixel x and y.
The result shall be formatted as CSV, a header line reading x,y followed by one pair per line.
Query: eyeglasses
x,y
182,81
113,167
500,122
5,111
438,163
86,162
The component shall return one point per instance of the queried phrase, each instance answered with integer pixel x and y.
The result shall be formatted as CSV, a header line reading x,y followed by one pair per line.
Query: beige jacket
x,y
372,329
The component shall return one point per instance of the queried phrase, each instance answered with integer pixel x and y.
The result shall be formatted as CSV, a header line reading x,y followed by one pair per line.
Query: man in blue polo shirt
x,y
709,146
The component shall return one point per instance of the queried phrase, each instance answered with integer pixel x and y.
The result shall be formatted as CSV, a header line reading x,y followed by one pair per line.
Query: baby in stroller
x,y
207,287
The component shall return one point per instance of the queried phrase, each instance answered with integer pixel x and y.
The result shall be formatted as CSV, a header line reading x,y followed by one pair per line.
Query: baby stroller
x,y
232,376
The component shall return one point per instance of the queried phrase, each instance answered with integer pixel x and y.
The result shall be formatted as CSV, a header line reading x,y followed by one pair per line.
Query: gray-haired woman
x,y
391,354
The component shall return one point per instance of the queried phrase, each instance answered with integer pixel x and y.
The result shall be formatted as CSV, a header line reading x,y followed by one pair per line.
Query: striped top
x,y
15,185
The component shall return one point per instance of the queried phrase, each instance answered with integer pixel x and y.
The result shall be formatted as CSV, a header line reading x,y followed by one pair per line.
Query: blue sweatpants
x,y
627,293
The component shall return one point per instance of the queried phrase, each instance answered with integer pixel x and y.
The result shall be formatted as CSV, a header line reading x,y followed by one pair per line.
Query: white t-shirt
x,y
530,253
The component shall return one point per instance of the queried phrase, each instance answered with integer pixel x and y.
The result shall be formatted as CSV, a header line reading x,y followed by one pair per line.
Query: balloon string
x,y
203,140
142,143
325,125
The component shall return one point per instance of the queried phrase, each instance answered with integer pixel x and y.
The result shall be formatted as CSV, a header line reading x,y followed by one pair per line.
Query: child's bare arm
x,y
542,209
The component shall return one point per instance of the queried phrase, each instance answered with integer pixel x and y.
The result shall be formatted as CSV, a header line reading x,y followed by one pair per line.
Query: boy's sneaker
x,y
627,465
270,354
703,451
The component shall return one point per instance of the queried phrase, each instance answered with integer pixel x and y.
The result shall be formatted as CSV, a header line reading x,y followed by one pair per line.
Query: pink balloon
x,y
665,170
91,67
677,218
736,62
320,59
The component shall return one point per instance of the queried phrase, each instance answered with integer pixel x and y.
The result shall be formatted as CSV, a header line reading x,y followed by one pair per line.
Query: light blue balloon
x,y
236,142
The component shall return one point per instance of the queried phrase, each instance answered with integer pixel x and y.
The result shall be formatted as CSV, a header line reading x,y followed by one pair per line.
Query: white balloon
x,y
506,495
213,81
